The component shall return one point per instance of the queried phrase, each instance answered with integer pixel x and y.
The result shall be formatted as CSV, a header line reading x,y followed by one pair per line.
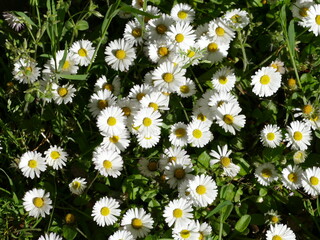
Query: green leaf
x,y
291,36
243,223
82,25
68,232
204,159
226,211
127,8
227,192
29,98
218,208
25,18
73,77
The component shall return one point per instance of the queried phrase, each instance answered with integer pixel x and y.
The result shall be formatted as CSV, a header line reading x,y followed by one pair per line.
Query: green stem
x,y
54,201
244,55
221,227
197,81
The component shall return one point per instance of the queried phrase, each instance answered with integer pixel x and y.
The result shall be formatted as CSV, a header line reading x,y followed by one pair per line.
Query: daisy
x,y
158,27
280,231
102,83
203,190
271,136
313,120
224,79
133,32
147,167
137,4
63,94
203,114
108,163
229,119
278,66
192,55
148,121
306,111
266,173
37,203
176,154
101,100
177,172
83,52
204,229
213,51
199,134
219,32
272,217
189,232
311,181
137,92
117,142
312,20
78,185
181,35
182,13
187,88
291,176
202,30
138,222
266,81
298,136
148,141
178,134
155,100
167,77
299,157
120,55
183,191
105,211
222,156
236,18
152,10
300,10
217,99
69,66
121,235
178,213
32,164
56,157
50,236
160,51
26,71
111,121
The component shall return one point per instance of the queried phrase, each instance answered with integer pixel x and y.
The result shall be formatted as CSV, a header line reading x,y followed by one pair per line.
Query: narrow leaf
x,y
73,77
218,208
291,36
26,18
127,8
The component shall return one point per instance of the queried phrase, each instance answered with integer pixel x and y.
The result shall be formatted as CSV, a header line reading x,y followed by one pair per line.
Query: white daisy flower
x,y
102,83
219,32
192,55
137,92
298,136
181,35
121,235
266,81
148,168
78,185
300,10
69,66
182,13
105,211
63,94
137,4
266,173
111,121
224,79
187,88
178,213
203,114
203,190
313,121
178,134
176,154
148,141
177,172
183,191
161,51
120,54
83,52
202,30
213,51
198,133
279,232
312,20
291,176
271,136
32,164
108,163
204,229
236,18
311,181
117,142
133,32
306,111
138,222
56,157
158,27
278,66
37,203
186,232
217,99
229,119
299,157
222,156
50,236
272,217
152,10
26,71
101,100
155,100
148,122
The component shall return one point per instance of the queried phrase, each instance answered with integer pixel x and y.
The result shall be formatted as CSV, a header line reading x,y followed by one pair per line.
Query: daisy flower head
x,y
137,92
160,51
182,13
299,157
266,81
213,51
311,181
313,120
306,111
178,134
188,231
108,163
138,222
117,142
278,66
220,32
271,136
133,32
217,99
199,133
183,191
158,27
101,100
26,71
203,190
224,79
155,100
63,94
111,121
280,231
202,114
178,212
229,119
236,18
105,211
298,135
56,157
312,20
222,156
187,88
121,235
291,176
177,172
120,54
176,154
32,164
272,217
50,236
148,168
300,10
204,229
181,35
69,66
78,185
202,30
192,55
266,173
148,141
83,52
147,121
112,86
152,10
37,203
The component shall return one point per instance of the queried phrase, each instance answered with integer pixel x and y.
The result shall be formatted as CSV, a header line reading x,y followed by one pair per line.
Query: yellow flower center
x,y
225,161
274,219
275,66
201,189
185,89
62,91
314,181
271,136
228,119
136,223
266,173
163,51
182,15
69,218
102,104
179,37
32,163
147,121
167,77
197,133
172,159
105,211
66,65
307,109
114,139
303,12
297,136
112,121
154,106
180,132
38,202
236,18
28,70
179,173
201,117
177,213
185,234
152,166
108,86
161,28
276,237
54,155
293,177
317,19
223,80
120,54
76,185
220,31
212,47
292,83
265,79
107,164
82,52
140,96
136,32
191,53
126,111
201,236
